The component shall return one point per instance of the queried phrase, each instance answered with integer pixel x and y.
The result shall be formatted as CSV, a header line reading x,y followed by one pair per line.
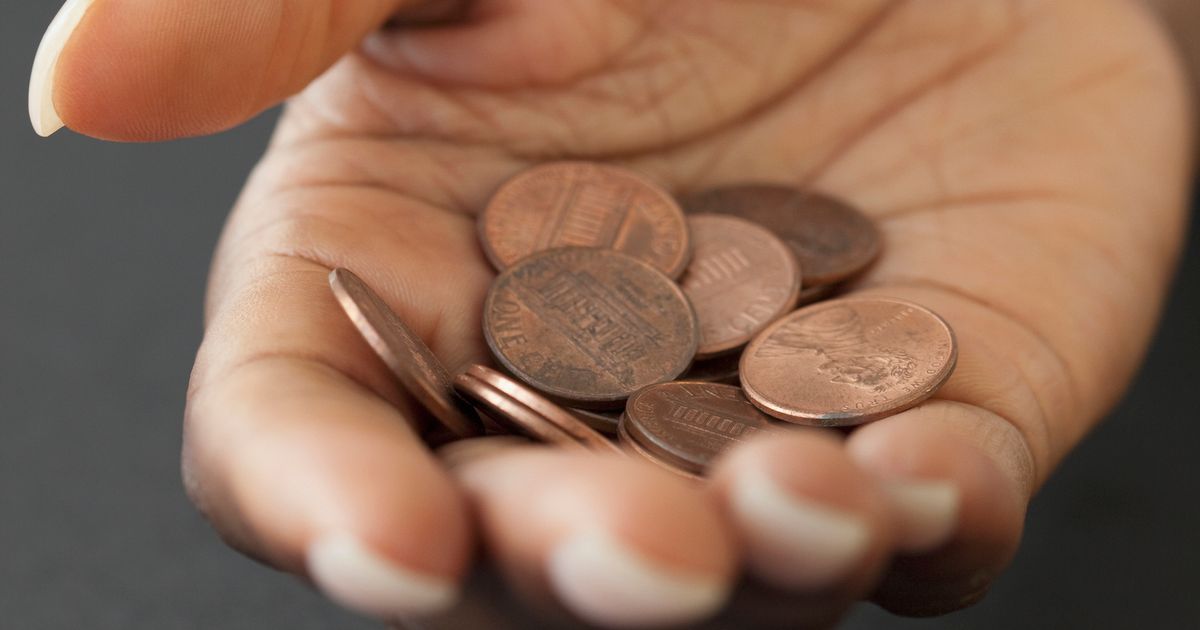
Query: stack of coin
x,y
612,296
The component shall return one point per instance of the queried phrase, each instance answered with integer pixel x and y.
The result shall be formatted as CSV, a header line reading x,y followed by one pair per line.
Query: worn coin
x,y
585,204
689,423
588,327
722,369
632,447
741,278
832,240
848,361
509,413
561,418
413,363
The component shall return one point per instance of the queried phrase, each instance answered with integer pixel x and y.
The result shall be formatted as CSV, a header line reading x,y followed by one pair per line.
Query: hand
x,y
1025,160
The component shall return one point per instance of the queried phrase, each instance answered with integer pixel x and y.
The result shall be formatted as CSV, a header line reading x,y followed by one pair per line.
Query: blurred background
x,y
104,252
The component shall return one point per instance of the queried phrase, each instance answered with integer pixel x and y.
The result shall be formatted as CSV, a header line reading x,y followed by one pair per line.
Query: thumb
x,y
139,70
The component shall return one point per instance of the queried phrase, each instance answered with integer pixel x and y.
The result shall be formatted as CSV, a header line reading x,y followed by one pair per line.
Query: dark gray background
x,y
104,249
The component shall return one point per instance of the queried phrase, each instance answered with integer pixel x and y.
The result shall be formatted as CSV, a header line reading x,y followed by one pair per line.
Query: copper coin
x,y
602,421
561,418
511,414
632,447
588,327
584,204
413,363
689,423
832,240
741,278
848,361
722,369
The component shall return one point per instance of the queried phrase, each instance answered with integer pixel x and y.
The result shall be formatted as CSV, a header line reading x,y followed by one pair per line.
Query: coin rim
x,y
628,441
846,418
559,395
489,250
547,410
445,406
511,414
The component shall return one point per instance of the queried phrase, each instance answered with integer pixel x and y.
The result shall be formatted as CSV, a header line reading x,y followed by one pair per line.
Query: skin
x,y
1026,161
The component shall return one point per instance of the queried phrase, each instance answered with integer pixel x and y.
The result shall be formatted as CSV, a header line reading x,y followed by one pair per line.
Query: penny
x,y
511,414
585,204
631,446
722,369
741,278
689,423
832,240
561,418
588,327
848,361
602,421
409,359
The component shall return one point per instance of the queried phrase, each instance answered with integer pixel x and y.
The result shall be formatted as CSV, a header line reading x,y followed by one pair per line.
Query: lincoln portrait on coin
x,y
838,336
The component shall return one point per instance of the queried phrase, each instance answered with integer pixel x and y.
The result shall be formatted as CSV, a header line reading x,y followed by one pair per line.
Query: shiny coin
x,y
588,327
564,420
509,413
413,363
741,278
632,447
584,204
848,361
689,423
832,240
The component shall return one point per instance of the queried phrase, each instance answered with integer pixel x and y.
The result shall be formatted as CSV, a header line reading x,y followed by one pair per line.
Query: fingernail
x,y
42,114
926,511
356,577
794,542
606,583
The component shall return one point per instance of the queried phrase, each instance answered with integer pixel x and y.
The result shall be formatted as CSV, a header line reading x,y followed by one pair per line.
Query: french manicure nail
x,y
356,577
794,542
927,512
606,583
42,114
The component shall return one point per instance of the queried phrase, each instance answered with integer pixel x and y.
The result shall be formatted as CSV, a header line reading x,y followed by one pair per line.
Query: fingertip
x,y
42,112
616,542
958,513
357,576
809,520
608,582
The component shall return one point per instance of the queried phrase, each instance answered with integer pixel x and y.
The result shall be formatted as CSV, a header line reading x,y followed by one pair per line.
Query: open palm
x,y
1025,162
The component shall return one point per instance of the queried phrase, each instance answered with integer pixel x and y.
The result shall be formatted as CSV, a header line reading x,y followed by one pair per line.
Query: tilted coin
x,y
848,361
585,204
689,423
588,327
632,447
602,421
413,363
511,414
741,278
561,418
722,369
832,240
